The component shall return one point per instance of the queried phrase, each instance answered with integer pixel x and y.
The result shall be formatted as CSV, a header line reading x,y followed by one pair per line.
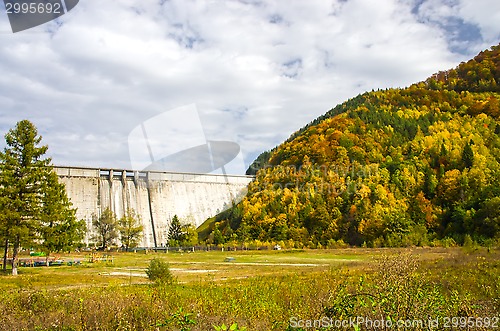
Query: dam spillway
x,y
155,197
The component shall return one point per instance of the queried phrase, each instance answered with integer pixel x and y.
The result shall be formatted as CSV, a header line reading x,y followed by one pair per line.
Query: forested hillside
x,y
392,167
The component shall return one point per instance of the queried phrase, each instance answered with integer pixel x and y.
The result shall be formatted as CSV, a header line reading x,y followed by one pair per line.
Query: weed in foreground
x,y
232,327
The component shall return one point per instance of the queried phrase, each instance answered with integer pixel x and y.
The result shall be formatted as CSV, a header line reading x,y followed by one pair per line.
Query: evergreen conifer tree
x,y
23,170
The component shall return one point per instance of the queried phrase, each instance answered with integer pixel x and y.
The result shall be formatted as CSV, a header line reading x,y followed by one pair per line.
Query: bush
x,y
468,242
336,244
158,271
448,242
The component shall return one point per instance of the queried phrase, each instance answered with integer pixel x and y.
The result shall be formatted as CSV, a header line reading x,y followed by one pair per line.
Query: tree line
x,y
36,213
128,229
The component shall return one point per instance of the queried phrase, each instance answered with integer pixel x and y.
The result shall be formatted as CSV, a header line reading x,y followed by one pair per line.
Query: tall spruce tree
x,y
59,228
468,155
23,170
175,233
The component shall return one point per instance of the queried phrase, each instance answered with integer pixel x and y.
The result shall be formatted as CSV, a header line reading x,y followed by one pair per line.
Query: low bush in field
x,y
159,272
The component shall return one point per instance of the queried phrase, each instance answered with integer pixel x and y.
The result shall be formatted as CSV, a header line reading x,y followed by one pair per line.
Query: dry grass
x,y
259,290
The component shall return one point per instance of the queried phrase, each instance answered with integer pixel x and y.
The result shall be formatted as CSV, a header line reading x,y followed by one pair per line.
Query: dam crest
x,y
155,196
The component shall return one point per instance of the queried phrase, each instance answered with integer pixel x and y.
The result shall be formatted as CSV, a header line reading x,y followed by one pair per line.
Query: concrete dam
x,y
155,196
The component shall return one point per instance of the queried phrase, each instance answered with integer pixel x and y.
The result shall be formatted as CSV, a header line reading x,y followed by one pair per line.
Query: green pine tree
x,y
59,228
468,155
175,233
23,170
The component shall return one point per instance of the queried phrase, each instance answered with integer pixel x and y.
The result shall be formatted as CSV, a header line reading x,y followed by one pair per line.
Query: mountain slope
x,y
394,167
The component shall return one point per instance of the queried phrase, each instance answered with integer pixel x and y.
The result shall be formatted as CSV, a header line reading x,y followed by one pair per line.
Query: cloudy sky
x,y
112,72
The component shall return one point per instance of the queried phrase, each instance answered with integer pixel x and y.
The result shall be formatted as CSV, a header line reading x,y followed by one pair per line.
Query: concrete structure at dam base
x,y
154,196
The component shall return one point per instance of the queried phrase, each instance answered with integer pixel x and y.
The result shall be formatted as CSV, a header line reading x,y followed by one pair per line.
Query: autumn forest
x,y
389,168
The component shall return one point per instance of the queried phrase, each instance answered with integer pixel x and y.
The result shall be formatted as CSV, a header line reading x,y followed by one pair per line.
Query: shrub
x,y
448,242
180,319
159,272
337,244
233,327
468,243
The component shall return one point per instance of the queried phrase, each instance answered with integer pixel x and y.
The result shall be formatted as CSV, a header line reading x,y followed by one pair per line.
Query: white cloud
x,y
257,71
485,14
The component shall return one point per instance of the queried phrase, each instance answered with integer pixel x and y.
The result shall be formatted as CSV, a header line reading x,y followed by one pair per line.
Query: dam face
x,y
155,197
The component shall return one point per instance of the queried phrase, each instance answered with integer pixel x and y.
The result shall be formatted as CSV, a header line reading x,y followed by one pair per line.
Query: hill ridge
x,y
423,166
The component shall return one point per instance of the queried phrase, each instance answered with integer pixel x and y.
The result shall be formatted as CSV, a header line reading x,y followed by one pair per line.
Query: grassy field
x,y
188,267
259,290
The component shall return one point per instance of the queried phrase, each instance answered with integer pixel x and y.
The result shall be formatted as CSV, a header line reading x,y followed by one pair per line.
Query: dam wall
x,y
155,197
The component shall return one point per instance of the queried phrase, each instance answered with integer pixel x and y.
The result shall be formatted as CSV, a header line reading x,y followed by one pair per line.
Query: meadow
x,y
262,290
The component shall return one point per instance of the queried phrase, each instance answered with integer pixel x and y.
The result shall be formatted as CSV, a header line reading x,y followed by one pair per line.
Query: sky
x,y
127,84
